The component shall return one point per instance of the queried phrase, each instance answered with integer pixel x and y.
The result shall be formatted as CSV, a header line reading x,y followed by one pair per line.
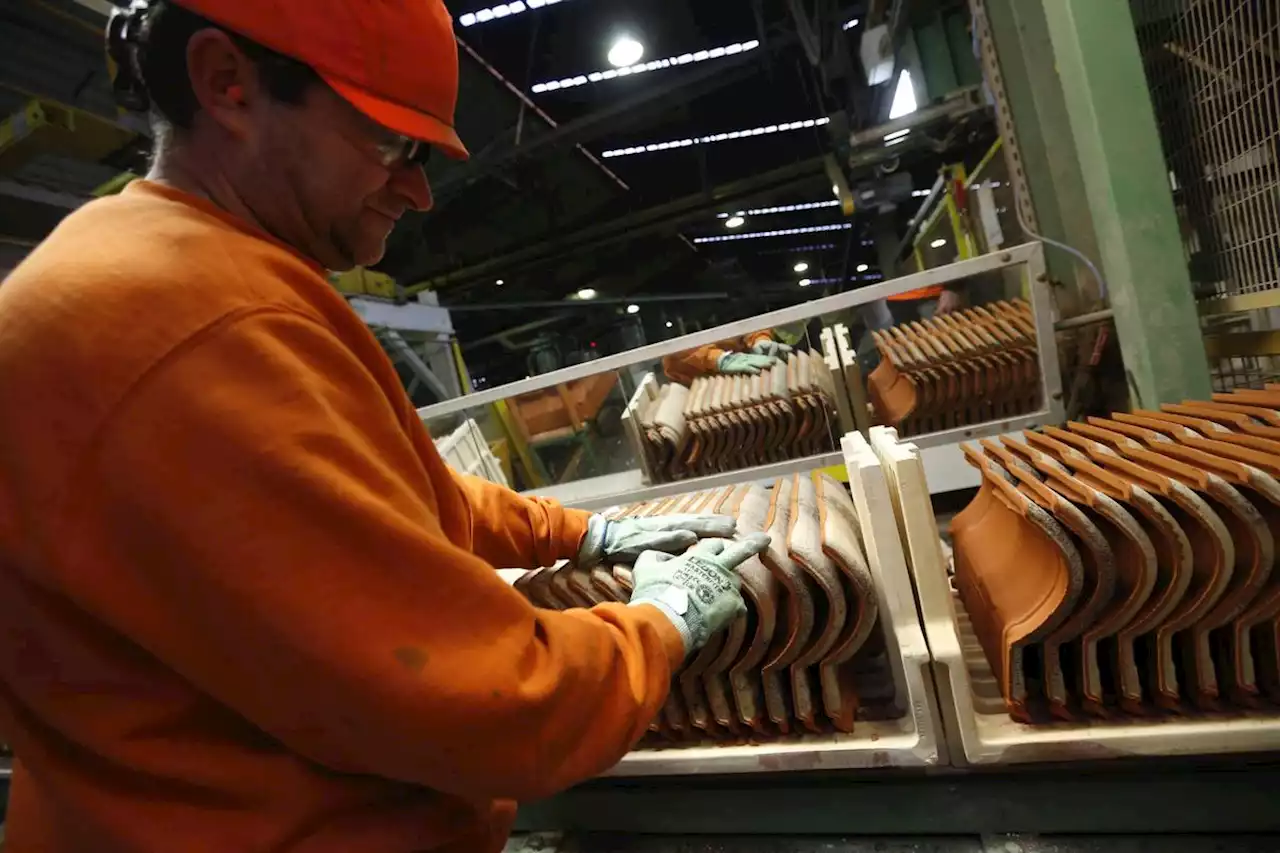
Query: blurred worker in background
x,y
925,302
749,355
246,606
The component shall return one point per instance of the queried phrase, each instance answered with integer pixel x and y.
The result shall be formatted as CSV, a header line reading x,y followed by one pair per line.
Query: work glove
x,y
742,362
625,539
699,591
771,348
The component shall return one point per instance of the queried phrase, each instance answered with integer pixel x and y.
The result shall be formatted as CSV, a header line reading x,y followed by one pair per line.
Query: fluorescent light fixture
x,y
938,244
849,24
633,309
920,193
641,68
904,97
502,10
785,208
804,282
587,293
764,130
897,134
734,222
670,324
803,266
861,268
499,282
781,232
624,53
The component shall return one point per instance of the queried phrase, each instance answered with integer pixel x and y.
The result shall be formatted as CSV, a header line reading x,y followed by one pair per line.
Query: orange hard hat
x,y
396,62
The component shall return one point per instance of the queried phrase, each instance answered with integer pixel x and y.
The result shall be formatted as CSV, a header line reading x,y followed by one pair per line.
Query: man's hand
x,y
741,362
948,301
771,348
625,539
698,591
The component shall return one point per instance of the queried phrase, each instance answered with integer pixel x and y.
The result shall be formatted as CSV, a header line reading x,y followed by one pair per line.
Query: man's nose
x,y
410,183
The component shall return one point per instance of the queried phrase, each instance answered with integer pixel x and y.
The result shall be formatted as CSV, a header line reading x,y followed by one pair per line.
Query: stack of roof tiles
x,y
1127,565
805,658
726,422
975,365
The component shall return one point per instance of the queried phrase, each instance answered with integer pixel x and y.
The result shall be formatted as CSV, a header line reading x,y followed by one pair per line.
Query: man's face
x,y
338,200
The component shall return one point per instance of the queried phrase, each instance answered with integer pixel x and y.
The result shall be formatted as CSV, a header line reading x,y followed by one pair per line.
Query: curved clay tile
x,y
795,628
1135,562
764,589
842,543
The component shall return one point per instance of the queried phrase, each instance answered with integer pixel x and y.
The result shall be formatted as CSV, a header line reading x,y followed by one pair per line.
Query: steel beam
x,y
1039,148
610,119
1113,124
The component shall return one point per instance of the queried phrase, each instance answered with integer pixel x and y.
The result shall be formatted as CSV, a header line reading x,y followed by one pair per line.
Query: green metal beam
x,y
1113,124
1039,148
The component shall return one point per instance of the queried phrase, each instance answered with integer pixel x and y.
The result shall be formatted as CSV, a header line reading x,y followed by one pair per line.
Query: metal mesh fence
x,y
1213,67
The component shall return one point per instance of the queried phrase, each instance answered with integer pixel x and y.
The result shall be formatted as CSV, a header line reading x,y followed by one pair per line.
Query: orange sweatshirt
x,y
245,604
684,367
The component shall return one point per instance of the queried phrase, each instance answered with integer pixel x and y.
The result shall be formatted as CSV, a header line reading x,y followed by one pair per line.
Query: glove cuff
x,y
591,551
677,621
720,362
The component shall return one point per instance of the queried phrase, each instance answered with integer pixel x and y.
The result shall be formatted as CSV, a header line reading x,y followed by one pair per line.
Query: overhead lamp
x,y
670,324
861,268
784,208
625,52
734,222
938,244
587,293
643,67
633,308
835,191
499,282
849,24
804,282
803,266
780,232
764,130
502,10
920,193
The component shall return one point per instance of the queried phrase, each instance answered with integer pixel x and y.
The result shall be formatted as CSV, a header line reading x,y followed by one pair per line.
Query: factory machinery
x,y
1113,588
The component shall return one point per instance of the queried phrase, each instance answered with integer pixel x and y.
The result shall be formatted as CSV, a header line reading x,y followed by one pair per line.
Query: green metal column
x,y
1039,148
1113,124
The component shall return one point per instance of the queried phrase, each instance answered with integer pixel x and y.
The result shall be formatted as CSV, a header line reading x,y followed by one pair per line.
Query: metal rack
x,y
608,490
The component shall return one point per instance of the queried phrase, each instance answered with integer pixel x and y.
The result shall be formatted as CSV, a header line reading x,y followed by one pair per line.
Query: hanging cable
x,y
1080,256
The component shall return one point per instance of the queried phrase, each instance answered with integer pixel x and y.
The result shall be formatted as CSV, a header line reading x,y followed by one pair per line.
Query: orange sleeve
x,y
684,367
269,532
510,531
748,341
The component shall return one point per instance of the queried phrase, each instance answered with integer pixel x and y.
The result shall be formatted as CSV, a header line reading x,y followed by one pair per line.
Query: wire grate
x,y
1213,67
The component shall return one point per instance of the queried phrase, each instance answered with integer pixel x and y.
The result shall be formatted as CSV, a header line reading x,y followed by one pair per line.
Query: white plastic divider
x,y
977,728
466,450
910,741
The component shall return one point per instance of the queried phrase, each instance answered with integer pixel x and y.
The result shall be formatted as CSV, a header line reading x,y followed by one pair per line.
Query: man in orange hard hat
x,y
245,605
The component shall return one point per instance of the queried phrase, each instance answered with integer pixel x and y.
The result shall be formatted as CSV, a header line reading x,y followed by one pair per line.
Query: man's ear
x,y
224,80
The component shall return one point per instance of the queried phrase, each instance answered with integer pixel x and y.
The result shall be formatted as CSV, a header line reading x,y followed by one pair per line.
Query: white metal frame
x,y
915,739
1028,255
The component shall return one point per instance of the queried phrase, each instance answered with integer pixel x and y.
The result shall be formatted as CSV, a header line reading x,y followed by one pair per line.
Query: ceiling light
x,y
633,309
625,52
781,232
804,282
920,193
904,97
785,208
803,266
938,244
861,268
500,282
587,293
835,191
670,324
763,130
850,24
734,222
502,10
